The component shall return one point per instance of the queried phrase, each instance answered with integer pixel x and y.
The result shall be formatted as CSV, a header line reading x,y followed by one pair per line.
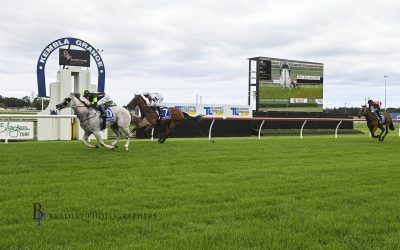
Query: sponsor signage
x,y
238,111
395,116
191,109
16,130
72,57
214,109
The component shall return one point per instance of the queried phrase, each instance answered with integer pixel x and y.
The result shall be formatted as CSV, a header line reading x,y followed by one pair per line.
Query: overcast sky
x,y
184,48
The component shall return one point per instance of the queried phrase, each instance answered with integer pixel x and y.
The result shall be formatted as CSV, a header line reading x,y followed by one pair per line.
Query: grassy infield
x,y
278,192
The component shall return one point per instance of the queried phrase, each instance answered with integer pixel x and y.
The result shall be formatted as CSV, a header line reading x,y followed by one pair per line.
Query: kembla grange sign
x,y
69,41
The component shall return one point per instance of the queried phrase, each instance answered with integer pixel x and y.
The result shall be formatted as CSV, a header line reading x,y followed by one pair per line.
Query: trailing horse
x,y
90,121
149,118
373,122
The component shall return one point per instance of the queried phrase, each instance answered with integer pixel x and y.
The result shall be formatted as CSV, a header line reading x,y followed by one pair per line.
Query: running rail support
x,y
337,128
8,124
301,130
259,130
209,132
152,134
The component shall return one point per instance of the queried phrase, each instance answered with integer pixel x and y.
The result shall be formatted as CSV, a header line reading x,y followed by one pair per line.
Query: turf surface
x,y
278,192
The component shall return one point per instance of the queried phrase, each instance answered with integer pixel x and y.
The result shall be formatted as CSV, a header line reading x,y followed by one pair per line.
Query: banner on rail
x,y
214,109
16,130
395,116
238,111
188,108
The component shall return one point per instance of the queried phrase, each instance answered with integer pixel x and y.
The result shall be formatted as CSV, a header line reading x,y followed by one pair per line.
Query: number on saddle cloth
x,y
381,119
110,115
165,113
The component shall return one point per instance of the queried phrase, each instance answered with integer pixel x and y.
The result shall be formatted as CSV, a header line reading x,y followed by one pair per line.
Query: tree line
x,y
24,102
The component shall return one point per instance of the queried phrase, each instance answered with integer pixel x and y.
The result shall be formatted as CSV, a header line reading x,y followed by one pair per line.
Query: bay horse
x,y
90,121
149,118
373,122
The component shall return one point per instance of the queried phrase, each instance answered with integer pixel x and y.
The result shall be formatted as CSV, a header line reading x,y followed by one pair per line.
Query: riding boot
x,y
380,118
159,113
103,114
377,116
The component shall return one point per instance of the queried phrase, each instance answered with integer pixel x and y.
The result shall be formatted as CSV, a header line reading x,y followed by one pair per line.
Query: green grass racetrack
x,y
277,192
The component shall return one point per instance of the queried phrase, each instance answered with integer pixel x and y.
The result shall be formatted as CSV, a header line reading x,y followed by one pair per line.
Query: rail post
x,y
301,130
399,128
337,128
259,130
152,134
209,132
8,124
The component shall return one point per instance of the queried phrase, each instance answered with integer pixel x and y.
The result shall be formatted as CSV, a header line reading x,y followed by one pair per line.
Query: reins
x,y
87,118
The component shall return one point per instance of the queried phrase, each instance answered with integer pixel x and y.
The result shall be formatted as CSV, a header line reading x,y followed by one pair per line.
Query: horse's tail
x,y
196,118
391,127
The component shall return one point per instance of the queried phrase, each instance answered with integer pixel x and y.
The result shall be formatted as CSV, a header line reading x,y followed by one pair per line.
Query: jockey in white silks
x,y
155,100
104,100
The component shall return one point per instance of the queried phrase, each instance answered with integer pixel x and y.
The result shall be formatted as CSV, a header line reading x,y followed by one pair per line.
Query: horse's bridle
x,y
364,111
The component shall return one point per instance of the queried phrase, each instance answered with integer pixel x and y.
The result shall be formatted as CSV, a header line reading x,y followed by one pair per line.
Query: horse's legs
x,y
382,131
98,137
143,124
129,134
118,134
162,137
85,140
170,128
372,130
386,132
147,130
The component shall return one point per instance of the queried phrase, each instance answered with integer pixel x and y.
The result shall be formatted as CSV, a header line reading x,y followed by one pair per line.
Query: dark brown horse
x,y
373,122
149,118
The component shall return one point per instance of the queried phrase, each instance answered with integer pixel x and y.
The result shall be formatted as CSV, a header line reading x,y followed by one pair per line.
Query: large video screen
x,y
290,85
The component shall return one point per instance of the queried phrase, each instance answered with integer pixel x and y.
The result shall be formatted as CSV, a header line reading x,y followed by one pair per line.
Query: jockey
x,y
155,100
375,107
97,100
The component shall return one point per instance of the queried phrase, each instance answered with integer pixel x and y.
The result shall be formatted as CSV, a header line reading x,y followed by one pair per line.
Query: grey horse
x,y
90,121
